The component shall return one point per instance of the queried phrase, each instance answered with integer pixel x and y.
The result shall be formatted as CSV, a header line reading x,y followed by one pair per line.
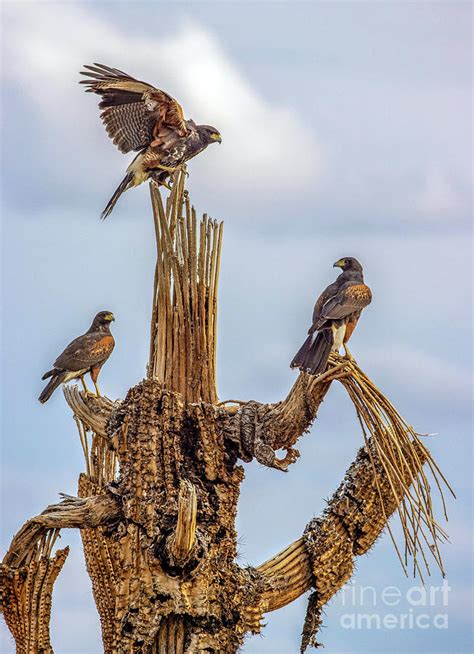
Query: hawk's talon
x,y
89,393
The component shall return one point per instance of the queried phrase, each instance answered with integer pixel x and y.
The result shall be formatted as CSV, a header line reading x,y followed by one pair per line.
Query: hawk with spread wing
x,y
141,118
335,317
87,353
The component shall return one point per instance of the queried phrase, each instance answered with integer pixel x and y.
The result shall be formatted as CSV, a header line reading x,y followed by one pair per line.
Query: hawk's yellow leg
x,y
173,169
169,169
86,390
348,354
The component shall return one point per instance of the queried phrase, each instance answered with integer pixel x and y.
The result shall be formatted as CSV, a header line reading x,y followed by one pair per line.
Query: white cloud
x,y
46,45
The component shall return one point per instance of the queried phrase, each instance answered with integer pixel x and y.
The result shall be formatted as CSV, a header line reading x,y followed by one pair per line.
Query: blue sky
x,y
346,131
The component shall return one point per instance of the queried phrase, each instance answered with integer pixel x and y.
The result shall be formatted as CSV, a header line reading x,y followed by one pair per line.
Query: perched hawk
x,y
335,316
139,117
87,353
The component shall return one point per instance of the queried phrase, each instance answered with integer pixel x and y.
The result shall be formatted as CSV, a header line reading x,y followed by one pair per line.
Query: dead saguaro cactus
x,y
27,588
157,501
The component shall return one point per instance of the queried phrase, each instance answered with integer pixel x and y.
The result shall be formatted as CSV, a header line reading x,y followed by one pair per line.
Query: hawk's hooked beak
x,y
339,264
216,137
111,317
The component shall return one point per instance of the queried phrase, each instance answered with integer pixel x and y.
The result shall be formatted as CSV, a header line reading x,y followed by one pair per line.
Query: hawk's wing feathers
x,y
85,351
351,297
133,112
328,292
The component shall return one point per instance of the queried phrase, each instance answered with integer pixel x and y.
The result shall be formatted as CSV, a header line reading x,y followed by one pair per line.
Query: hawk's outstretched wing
x,y
134,113
86,351
351,297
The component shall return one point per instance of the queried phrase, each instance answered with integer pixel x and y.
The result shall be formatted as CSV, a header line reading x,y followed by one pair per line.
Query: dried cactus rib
x,y
183,539
72,512
101,458
182,350
400,456
170,636
27,597
93,411
287,575
100,555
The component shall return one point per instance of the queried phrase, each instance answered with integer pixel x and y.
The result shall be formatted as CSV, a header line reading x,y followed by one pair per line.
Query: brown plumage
x,y
139,117
87,353
335,317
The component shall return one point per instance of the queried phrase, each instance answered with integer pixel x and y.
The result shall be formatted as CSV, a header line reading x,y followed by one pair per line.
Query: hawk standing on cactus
x,y
87,353
141,118
335,317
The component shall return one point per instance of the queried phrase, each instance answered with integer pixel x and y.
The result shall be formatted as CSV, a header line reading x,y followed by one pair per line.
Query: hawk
x,y
87,353
335,317
141,118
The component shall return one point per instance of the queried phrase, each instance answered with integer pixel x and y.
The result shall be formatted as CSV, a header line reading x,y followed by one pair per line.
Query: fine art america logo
x,y
418,607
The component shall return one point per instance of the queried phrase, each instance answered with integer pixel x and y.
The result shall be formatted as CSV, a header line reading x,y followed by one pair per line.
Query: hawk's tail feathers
x,y
56,380
50,373
300,356
313,355
125,184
